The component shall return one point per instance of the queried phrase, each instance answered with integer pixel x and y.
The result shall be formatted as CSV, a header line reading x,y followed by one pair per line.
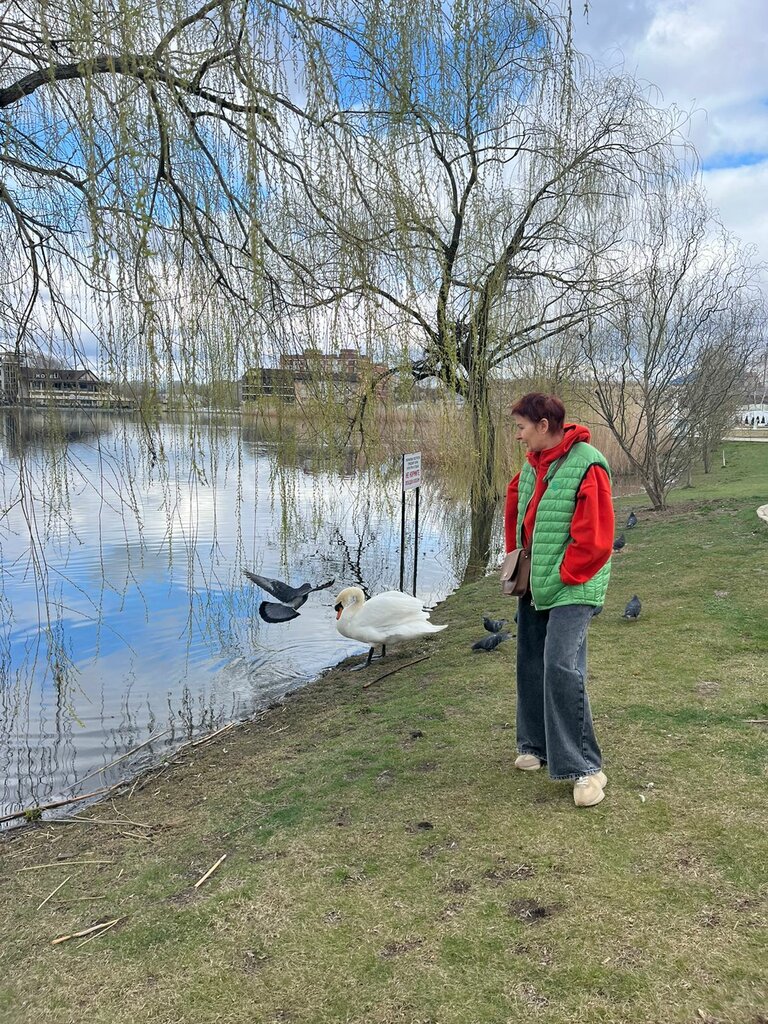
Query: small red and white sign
x,y
411,471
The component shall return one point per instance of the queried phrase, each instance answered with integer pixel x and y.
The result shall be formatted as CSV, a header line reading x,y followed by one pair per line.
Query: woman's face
x,y
535,436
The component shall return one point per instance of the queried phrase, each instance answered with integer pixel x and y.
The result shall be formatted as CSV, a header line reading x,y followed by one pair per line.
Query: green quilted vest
x,y
551,531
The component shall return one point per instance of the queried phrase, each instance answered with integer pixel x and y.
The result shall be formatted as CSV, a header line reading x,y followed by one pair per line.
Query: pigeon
x,y
632,611
619,543
494,625
269,611
490,643
631,520
293,596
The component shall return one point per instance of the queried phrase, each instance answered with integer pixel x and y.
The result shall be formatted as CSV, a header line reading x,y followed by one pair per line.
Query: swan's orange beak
x,y
338,608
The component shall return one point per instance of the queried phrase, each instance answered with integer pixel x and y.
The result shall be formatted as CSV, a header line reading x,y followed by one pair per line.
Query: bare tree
x,y
675,344
716,385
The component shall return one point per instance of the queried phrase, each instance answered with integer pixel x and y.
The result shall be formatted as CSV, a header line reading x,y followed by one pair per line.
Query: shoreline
x,y
13,822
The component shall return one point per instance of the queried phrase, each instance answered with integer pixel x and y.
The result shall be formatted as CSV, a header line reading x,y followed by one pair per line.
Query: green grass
x,y
745,475
338,903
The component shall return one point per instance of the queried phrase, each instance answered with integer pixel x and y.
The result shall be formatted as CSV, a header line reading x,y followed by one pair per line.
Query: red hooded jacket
x,y
593,521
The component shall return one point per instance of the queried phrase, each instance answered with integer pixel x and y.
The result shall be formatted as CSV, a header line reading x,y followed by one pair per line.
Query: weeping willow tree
x,y
185,188
144,152
485,211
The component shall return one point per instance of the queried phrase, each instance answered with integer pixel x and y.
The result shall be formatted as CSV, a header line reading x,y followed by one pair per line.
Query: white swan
x,y
388,616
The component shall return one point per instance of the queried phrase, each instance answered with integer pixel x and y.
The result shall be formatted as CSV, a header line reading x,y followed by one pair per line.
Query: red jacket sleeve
x,y
510,514
591,529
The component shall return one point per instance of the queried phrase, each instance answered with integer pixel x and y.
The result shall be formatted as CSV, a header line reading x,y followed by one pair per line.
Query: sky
x,y
710,58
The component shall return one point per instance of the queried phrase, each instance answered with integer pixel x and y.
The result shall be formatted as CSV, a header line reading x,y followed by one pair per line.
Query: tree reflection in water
x,y
124,606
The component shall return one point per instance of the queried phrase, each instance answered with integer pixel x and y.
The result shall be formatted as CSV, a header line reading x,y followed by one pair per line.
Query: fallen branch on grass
x,y
33,813
393,670
87,931
213,735
210,871
59,886
76,820
96,935
63,864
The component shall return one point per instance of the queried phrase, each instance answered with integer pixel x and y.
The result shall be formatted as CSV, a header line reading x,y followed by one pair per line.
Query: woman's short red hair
x,y
536,407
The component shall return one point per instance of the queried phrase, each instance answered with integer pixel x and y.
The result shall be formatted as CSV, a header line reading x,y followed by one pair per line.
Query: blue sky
x,y
709,58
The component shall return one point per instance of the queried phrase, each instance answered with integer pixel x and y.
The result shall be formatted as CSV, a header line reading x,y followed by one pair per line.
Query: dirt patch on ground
x,y
398,948
707,688
530,912
506,873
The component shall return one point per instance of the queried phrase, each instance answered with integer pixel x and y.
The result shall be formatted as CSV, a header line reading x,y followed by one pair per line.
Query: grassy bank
x,y
385,863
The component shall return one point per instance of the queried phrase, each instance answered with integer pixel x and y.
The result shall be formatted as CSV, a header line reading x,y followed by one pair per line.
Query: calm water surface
x,y
125,614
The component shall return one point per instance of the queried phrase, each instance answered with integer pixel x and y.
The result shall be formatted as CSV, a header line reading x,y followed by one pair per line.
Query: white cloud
x,y
738,193
707,57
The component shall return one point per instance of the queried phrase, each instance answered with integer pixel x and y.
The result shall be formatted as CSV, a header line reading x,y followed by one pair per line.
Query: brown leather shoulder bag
x,y
516,573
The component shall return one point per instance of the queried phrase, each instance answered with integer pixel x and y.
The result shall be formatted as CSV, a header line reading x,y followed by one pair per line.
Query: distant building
x,y
10,379
753,414
21,384
313,374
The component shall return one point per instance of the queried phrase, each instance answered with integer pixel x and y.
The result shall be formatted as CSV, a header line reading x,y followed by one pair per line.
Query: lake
x,y
125,612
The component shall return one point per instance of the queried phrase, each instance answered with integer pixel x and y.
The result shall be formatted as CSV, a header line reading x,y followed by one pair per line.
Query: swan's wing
x,y
391,606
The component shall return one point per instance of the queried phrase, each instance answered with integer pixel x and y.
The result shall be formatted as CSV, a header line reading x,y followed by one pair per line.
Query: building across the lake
x,y
753,414
22,384
312,374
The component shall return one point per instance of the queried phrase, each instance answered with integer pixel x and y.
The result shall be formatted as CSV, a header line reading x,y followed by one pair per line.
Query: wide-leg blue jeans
x,y
554,720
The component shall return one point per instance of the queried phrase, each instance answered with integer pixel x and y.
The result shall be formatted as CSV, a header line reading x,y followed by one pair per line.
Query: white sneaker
x,y
528,763
589,789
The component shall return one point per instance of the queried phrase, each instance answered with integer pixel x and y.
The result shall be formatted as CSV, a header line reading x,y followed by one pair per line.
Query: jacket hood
x,y
573,432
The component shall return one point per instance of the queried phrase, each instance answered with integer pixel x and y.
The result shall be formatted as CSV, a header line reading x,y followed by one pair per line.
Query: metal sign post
x,y
411,481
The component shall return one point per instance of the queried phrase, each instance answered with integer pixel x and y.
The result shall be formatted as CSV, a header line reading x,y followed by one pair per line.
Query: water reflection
x,y
125,612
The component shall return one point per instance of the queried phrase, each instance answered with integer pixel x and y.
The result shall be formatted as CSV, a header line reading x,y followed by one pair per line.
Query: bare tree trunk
x,y
655,485
481,525
483,490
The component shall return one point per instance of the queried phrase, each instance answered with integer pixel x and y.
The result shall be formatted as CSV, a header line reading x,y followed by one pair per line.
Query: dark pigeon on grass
x,y
632,611
270,611
293,596
494,625
619,543
490,643
631,520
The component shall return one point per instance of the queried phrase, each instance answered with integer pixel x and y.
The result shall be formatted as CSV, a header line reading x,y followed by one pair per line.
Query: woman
x,y
560,507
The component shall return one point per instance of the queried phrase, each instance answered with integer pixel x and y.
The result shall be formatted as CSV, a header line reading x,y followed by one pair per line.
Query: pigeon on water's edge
x,y
631,520
294,596
619,543
490,643
494,625
633,608
271,612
